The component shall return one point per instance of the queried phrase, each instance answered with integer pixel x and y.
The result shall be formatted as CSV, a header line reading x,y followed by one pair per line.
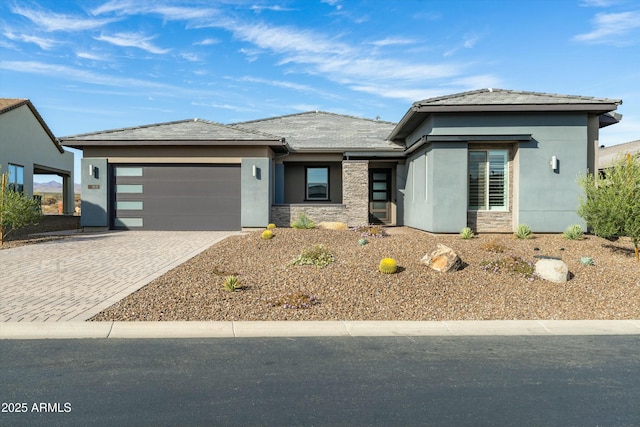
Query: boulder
x,y
333,225
552,270
443,259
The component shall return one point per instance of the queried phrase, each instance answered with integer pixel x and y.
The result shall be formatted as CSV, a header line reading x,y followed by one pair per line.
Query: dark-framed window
x,y
317,183
488,180
16,178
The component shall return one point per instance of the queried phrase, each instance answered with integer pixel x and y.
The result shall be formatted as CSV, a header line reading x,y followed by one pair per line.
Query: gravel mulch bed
x,y
351,288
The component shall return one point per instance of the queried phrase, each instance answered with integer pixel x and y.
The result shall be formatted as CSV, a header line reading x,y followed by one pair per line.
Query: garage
x,y
175,197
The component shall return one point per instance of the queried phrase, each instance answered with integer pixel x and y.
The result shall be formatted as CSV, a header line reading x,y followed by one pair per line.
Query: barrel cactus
x,y
267,234
388,266
271,226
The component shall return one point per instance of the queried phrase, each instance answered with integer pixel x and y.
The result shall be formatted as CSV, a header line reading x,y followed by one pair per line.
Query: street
x,y
397,381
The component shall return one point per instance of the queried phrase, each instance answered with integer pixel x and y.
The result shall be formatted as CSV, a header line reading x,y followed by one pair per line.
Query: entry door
x,y
380,196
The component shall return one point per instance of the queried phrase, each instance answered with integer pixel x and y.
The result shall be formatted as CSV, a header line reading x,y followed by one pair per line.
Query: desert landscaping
x,y
495,281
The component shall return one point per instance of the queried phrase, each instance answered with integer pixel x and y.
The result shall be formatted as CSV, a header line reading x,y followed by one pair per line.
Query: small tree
x,y
16,210
611,205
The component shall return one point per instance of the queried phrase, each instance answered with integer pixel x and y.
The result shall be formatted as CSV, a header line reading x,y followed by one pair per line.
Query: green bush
x,y
467,233
317,255
573,232
523,232
303,222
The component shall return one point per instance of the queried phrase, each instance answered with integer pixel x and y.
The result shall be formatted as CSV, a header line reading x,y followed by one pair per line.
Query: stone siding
x,y
354,209
489,222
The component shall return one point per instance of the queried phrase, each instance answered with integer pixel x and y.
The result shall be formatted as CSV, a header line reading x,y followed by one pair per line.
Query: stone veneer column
x,y
355,191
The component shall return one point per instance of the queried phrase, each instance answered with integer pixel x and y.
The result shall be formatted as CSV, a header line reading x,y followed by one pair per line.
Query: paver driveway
x,y
76,278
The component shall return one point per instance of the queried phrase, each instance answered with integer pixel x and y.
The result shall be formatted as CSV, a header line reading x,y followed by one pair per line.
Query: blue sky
x,y
93,65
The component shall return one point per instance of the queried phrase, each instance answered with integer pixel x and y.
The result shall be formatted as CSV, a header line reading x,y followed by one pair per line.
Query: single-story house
x,y
28,147
608,155
488,159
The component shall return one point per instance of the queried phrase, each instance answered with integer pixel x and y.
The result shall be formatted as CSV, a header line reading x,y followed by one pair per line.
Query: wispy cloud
x,y
50,21
43,43
275,8
207,42
598,3
392,41
286,85
230,107
168,13
191,57
91,56
136,40
468,42
613,28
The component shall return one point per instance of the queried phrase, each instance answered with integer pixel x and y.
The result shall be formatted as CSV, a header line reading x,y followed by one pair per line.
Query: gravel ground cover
x,y
352,288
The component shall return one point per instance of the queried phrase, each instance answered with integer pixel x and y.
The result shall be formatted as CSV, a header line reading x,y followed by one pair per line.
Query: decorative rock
x,y
333,226
552,270
443,259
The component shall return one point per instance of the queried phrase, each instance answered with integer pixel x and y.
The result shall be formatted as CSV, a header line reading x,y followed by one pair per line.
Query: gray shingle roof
x,y
322,131
185,130
607,155
500,100
512,97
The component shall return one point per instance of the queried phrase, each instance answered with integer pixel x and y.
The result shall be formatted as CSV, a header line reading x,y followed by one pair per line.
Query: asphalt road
x,y
438,381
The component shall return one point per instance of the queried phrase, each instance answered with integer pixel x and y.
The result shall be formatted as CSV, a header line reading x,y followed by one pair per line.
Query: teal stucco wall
x,y
95,201
543,198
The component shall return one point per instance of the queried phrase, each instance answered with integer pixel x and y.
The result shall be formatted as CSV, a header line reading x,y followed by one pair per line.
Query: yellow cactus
x,y
388,266
271,226
267,234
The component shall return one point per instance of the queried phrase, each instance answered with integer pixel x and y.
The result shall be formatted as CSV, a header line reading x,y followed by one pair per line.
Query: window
x,y
488,187
16,178
317,183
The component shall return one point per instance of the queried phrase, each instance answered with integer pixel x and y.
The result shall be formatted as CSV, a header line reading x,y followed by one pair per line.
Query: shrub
x,y
573,232
511,264
271,226
388,266
466,233
303,222
370,231
17,210
523,232
611,205
267,234
317,255
362,241
231,283
296,300
494,246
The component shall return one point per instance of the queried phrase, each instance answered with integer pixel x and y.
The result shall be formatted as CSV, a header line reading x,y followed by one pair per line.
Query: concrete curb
x,y
253,329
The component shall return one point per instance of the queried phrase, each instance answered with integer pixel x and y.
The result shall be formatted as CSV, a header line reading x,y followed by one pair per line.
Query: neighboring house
x,y
608,155
489,159
28,147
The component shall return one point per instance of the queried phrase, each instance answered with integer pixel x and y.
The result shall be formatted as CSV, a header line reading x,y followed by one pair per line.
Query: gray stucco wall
x,y
437,201
543,198
256,192
25,143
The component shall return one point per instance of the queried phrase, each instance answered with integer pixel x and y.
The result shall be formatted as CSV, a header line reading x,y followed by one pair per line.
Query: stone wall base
x,y
489,222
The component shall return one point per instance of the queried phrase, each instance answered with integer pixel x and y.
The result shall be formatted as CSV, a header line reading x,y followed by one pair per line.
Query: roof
x,y
8,104
607,155
319,131
500,100
183,132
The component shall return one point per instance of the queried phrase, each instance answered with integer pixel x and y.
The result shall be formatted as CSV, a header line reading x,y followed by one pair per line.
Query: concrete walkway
x,y
75,278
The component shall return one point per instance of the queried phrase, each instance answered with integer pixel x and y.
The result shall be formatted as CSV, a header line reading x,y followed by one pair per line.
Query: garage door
x,y
176,197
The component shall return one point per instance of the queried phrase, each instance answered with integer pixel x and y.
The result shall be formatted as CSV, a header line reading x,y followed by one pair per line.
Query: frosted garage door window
x,y
129,188
120,171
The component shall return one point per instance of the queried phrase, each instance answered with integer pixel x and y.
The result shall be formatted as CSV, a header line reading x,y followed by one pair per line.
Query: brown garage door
x,y
175,197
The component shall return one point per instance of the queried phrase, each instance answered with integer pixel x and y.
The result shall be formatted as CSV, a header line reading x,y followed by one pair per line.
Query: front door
x,y
380,196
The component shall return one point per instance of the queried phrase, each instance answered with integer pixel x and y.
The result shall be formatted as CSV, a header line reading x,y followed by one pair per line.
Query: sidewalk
x,y
250,329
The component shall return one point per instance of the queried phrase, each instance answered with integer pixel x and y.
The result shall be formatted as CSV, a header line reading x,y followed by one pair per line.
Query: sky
x,y
92,65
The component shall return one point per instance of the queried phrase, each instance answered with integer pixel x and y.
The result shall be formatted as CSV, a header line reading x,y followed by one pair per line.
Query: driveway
x,y
75,278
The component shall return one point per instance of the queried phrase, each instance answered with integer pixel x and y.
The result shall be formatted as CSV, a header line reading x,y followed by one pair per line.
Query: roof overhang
x,y
278,146
493,138
610,118
417,114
